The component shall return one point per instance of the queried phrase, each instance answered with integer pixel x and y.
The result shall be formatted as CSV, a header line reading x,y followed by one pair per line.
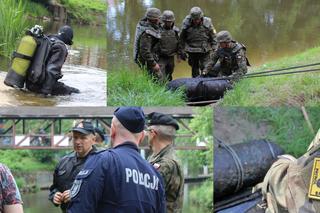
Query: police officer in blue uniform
x,y
83,137
119,179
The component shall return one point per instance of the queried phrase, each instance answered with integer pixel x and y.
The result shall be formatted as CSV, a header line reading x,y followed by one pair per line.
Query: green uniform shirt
x,y
172,175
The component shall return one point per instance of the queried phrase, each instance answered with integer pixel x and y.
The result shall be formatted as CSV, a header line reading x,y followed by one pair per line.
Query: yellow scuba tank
x,y
21,61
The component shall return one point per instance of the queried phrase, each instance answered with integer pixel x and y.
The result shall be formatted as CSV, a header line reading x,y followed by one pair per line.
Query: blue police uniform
x,y
118,180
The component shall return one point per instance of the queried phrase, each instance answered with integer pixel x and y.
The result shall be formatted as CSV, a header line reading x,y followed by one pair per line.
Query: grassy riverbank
x,y
286,126
134,88
86,12
17,15
289,90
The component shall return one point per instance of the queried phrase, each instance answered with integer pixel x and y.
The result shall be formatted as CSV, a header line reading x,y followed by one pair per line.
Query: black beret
x,y
100,133
132,118
162,119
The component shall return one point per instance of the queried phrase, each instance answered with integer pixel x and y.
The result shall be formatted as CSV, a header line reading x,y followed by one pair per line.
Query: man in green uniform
x,y
169,44
293,185
231,56
161,134
197,38
146,43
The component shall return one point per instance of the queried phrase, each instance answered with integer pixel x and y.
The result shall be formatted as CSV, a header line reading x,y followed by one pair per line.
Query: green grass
x,y
12,24
23,160
85,11
36,10
202,196
134,88
289,90
286,125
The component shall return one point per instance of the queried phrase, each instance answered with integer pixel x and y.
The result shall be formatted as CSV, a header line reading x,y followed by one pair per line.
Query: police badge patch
x,y
75,188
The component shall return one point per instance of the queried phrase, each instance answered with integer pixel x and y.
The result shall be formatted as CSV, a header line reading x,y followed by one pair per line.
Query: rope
x,y
271,72
237,161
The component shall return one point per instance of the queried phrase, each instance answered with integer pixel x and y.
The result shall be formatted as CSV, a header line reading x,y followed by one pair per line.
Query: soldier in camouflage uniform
x,y
169,44
231,56
197,38
161,133
146,43
286,187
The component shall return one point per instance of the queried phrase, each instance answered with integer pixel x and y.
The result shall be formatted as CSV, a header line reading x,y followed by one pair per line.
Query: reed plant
x,y
12,24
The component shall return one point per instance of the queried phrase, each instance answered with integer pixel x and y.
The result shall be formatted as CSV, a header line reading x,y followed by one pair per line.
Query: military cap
x,y
224,36
167,15
162,119
196,13
84,127
132,118
153,13
100,133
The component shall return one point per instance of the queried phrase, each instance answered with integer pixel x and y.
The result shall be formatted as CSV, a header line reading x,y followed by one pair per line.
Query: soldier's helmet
x,y
153,13
167,15
196,13
224,36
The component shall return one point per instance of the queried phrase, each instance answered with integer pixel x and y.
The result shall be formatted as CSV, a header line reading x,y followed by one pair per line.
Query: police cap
x,y
132,118
157,118
84,127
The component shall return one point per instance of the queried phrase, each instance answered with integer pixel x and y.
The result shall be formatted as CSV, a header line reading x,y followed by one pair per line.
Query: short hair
x,y
165,132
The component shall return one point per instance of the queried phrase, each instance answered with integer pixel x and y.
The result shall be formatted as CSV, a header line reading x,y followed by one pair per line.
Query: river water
x,y
270,29
85,69
39,203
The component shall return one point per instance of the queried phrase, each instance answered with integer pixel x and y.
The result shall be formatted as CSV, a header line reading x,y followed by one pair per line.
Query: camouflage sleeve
x,y
10,193
212,38
182,40
145,49
241,65
211,63
171,177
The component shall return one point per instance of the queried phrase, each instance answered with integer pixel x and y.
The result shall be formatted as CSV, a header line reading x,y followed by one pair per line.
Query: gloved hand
x,y
183,56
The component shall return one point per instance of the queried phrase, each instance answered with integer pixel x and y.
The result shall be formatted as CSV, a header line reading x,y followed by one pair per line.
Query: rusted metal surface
x,y
242,165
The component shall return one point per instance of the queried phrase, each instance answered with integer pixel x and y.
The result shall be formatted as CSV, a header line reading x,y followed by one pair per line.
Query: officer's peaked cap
x,y
84,127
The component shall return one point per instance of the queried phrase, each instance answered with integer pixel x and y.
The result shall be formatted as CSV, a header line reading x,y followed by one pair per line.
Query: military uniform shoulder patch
x,y
314,187
156,166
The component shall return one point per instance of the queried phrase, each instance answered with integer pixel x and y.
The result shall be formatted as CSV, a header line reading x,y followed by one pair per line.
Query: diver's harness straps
x,y
19,55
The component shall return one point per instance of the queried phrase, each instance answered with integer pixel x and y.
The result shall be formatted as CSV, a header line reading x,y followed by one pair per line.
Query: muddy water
x,y
84,69
270,29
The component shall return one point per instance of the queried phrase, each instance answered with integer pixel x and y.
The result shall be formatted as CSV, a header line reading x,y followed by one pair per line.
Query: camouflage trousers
x,y
166,64
198,62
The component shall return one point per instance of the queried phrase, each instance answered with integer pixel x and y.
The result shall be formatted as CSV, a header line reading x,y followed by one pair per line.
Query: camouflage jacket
x,y
198,39
173,178
146,45
233,60
285,187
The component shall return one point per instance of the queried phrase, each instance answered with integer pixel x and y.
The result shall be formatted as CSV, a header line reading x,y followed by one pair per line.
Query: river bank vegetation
x,y
17,15
135,88
290,90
